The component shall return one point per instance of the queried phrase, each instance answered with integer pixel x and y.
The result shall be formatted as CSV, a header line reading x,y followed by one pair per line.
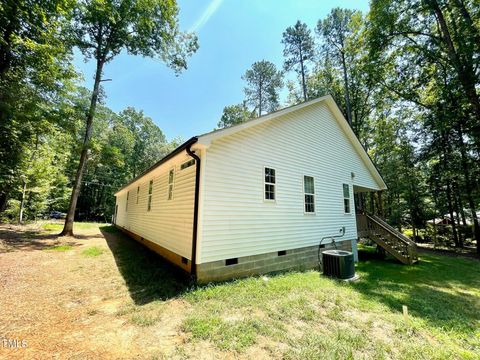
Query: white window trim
x,y
269,201
314,195
173,184
349,200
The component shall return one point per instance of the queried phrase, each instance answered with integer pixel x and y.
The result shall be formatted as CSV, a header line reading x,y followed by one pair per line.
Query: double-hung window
x,y
150,189
171,179
269,186
309,194
138,192
346,198
126,204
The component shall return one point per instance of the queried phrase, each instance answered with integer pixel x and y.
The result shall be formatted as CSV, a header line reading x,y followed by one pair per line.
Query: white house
x,y
253,198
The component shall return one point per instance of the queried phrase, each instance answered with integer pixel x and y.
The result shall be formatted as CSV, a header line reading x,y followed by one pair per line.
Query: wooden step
x,y
392,241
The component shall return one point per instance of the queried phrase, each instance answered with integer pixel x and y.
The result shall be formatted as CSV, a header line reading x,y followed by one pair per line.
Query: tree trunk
x,y
22,202
260,98
3,201
461,209
465,70
347,91
372,203
68,228
452,218
304,85
434,222
380,205
457,216
414,232
469,187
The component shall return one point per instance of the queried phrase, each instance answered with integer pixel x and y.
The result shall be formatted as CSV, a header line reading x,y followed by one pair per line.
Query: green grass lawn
x,y
64,247
92,251
58,226
303,315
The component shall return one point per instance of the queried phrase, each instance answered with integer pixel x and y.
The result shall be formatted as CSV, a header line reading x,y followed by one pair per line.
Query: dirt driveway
x,y
68,298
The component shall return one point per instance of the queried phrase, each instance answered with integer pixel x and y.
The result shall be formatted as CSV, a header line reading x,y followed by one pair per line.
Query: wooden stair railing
x,y
390,239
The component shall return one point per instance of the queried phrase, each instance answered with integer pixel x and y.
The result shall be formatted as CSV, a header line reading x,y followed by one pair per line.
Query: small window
x,y
309,194
138,192
171,178
282,253
150,189
269,184
126,204
187,164
346,198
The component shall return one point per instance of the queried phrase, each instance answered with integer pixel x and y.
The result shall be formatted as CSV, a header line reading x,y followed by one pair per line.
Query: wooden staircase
x,y
390,239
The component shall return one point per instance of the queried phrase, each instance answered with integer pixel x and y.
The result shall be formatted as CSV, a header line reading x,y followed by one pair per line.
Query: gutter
x,y
193,267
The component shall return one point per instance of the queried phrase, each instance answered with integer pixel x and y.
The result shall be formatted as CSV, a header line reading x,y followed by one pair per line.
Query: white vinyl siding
x,y
236,219
169,223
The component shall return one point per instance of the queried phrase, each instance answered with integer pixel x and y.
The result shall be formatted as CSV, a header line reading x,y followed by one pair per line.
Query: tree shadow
x,y
438,289
14,240
148,276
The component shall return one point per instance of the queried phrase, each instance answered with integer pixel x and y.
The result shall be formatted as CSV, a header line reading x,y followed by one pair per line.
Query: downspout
x,y
193,267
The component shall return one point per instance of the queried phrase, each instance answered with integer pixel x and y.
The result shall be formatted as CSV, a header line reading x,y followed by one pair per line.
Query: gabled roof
x,y
206,139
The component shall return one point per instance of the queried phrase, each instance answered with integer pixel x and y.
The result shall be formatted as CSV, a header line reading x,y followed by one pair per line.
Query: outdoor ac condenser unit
x,y
338,264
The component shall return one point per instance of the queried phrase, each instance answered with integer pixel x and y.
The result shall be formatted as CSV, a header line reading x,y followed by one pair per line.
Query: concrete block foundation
x,y
295,259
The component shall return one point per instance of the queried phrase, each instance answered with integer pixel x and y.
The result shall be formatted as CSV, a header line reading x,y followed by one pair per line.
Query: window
x,y
346,198
187,164
309,194
126,204
150,188
171,178
138,192
269,184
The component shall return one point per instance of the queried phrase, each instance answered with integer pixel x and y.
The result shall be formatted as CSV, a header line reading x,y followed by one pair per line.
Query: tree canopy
x,y
263,82
299,50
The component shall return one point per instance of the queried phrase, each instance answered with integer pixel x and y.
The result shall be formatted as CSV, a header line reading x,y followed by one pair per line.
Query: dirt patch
x,y
66,305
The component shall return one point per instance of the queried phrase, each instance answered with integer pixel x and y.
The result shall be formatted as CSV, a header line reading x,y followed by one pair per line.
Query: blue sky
x,y
232,34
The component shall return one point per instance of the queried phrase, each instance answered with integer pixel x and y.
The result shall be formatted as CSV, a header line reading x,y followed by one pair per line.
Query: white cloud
x,y
207,13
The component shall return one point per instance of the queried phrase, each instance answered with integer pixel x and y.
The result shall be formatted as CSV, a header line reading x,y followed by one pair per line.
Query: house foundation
x,y
296,259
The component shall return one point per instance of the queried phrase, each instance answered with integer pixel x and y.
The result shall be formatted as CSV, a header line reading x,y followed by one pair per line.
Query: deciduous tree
x,y
102,29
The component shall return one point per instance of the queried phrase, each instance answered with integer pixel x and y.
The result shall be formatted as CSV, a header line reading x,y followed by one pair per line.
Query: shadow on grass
x,y
29,240
441,290
148,276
